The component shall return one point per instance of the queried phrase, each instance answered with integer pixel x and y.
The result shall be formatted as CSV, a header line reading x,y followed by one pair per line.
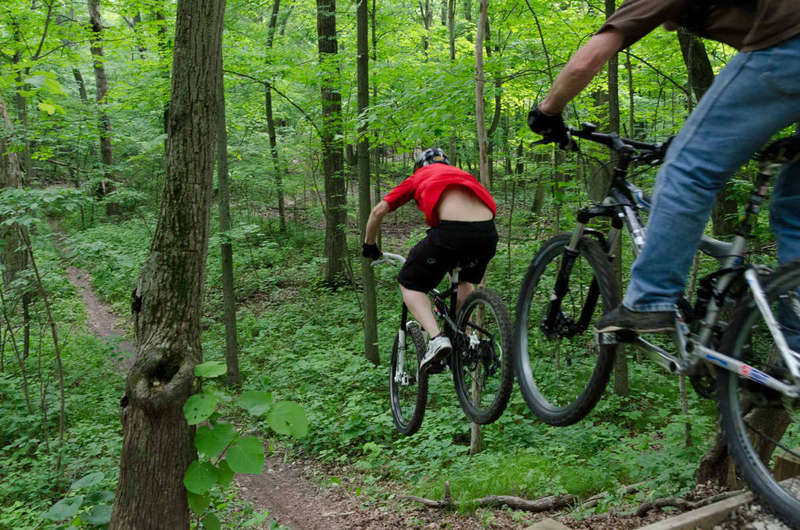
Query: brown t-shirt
x,y
771,22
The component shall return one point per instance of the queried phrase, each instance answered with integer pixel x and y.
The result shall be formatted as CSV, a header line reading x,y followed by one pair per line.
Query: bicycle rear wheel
x,y
408,387
483,370
762,426
561,370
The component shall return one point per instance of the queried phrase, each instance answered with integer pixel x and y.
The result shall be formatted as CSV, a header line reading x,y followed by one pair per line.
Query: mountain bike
x,y
745,364
481,359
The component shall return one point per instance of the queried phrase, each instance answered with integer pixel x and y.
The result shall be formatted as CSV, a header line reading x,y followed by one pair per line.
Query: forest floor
x,y
309,495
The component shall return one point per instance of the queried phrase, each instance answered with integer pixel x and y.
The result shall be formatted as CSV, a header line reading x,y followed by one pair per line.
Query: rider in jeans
x,y
461,214
756,95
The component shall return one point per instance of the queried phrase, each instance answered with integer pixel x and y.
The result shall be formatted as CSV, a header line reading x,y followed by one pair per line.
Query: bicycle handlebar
x,y
651,153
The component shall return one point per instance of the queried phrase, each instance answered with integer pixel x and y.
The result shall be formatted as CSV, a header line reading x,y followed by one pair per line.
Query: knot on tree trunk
x,y
161,377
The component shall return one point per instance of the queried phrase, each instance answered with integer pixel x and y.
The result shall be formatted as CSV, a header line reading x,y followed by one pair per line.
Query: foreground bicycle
x,y
481,360
747,365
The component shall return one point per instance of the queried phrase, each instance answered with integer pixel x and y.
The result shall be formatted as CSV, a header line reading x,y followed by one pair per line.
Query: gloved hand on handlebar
x,y
371,251
550,126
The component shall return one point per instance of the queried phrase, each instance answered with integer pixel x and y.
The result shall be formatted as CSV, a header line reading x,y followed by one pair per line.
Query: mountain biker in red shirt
x,y
460,212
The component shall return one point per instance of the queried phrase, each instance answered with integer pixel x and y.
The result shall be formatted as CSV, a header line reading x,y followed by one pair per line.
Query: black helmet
x,y
431,156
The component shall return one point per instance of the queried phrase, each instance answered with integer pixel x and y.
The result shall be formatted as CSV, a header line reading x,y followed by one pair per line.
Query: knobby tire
x,y
742,402
561,389
408,402
489,360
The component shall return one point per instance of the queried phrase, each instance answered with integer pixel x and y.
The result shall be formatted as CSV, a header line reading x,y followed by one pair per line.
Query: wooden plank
x,y
702,518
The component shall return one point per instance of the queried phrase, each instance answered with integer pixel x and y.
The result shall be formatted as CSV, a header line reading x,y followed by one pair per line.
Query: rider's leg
x,y
420,306
754,96
464,290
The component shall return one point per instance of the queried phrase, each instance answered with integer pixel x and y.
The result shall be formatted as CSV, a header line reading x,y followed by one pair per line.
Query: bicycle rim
x,y
408,388
762,427
483,365
561,370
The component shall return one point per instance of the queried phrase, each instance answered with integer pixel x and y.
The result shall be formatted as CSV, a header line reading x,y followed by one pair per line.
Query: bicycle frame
x,y
622,204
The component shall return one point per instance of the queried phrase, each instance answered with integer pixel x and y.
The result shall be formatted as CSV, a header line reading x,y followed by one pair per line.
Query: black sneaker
x,y
623,319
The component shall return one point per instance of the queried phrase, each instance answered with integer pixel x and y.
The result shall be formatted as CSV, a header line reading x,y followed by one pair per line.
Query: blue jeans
x,y
756,95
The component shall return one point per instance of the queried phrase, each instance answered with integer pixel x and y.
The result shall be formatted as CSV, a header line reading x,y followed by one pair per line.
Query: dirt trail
x,y
102,321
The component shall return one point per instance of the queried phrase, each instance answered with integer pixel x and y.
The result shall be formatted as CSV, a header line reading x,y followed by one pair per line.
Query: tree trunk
x,y
273,142
476,438
621,387
364,202
14,256
332,155
157,441
232,377
101,83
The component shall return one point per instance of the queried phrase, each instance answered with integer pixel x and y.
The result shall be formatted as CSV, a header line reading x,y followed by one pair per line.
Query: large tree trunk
x,y
232,377
273,141
364,202
332,155
158,443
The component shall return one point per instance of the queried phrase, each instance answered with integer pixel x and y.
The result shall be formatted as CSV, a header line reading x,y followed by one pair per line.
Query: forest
x,y
185,307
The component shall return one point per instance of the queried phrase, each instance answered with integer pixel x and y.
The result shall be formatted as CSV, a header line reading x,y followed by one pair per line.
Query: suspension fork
x,y
399,369
561,287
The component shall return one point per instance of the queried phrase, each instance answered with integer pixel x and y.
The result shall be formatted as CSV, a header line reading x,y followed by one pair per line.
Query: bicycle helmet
x,y
431,156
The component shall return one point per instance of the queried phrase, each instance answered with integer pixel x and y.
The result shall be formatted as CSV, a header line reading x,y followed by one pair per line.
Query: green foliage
x,y
222,450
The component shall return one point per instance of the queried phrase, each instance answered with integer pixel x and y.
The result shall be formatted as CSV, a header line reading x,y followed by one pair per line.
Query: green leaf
x,y
200,477
224,473
53,86
64,509
212,442
98,515
89,480
198,503
199,407
246,456
210,369
100,497
47,107
256,402
287,417
211,522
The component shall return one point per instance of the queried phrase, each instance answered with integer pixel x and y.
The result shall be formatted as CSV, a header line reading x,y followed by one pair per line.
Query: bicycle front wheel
x,y
408,387
762,426
561,370
482,362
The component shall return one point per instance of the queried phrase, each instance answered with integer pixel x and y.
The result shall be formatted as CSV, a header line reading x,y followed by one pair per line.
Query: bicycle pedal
x,y
438,367
615,337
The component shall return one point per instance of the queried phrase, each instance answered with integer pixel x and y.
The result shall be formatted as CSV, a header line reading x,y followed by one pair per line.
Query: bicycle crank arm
x,y
657,354
743,370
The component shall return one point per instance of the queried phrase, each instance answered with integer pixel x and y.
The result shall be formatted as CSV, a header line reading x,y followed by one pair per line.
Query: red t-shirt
x,y
428,183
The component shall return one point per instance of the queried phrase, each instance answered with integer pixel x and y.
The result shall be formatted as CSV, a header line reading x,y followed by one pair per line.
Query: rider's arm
x,y
581,69
374,221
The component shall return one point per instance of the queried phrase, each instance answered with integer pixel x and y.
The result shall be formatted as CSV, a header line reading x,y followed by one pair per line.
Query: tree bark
x,y
476,437
232,377
101,84
273,142
157,441
621,387
332,154
364,200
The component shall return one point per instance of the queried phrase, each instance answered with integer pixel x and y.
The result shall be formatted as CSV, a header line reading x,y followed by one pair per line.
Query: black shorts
x,y
469,245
